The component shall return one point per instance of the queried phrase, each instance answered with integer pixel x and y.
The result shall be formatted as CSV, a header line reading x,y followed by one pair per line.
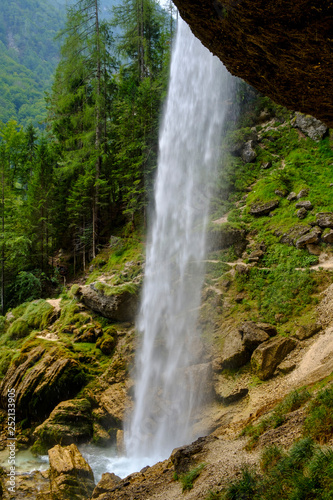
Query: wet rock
x,y
252,335
112,404
304,204
221,236
184,457
71,477
327,237
41,379
116,303
259,209
269,355
313,128
311,237
292,196
302,213
307,331
325,219
248,153
107,482
69,422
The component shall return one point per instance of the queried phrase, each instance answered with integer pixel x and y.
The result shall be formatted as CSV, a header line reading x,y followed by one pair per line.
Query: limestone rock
x,y
112,404
311,237
221,236
248,153
294,234
71,477
327,237
268,328
292,196
184,457
303,192
313,128
325,219
69,422
304,204
307,331
286,366
255,256
116,303
107,482
41,379
269,355
234,353
233,396
259,209
313,249
252,335
302,213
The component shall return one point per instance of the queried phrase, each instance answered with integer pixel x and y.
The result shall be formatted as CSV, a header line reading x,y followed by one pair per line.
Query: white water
x,y
166,393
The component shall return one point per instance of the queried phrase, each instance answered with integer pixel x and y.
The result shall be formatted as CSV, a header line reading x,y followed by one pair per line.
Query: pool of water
x,y
25,461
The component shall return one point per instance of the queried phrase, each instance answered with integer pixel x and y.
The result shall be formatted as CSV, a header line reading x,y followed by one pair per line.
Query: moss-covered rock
x,y
18,329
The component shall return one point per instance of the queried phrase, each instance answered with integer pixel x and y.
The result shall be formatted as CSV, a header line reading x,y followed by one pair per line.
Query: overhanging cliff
x,y
284,48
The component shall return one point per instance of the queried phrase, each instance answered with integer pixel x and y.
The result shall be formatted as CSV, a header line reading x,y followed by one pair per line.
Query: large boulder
x,y
313,128
41,378
107,482
112,404
69,422
118,303
252,335
269,355
248,153
71,477
309,238
325,219
263,208
294,234
234,353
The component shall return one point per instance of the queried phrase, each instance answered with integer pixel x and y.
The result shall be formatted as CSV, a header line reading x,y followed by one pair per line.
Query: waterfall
x,y
167,390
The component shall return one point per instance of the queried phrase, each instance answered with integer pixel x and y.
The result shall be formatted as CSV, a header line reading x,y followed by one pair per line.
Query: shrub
x,y
319,422
243,489
187,479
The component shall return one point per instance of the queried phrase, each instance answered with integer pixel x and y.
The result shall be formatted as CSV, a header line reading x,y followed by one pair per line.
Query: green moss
x,y
116,290
18,329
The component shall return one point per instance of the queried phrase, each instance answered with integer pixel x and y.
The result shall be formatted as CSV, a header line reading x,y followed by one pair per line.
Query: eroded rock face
x,y
71,477
41,380
281,47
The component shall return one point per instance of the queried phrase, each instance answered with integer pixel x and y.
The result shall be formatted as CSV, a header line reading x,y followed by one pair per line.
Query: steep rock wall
x,y
281,47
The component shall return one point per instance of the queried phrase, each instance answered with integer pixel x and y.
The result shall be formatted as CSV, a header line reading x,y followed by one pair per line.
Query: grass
x,y
291,402
319,422
188,479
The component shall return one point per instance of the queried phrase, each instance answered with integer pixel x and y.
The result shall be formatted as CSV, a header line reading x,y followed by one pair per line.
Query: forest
x,y
68,185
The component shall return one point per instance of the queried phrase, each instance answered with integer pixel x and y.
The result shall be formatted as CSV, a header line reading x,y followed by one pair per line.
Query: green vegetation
x,y
290,403
319,422
188,478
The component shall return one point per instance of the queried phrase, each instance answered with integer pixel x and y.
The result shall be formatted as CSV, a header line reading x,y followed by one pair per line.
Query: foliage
x,y
319,422
188,479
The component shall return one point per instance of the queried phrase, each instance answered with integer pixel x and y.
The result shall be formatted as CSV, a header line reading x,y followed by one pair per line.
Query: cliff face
x,y
281,47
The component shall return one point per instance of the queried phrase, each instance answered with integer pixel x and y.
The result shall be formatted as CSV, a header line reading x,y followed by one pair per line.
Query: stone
x,y
311,237
294,234
184,457
252,335
248,153
115,303
268,328
302,213
41,378
266,165
100,436
107,482
255,256
327,237
259,209
292,196
240,297
313,249
313,128
303,192
69,422
241,269
307,331
286,366
234,395
234,353
304,204
112,403
281,193
325,219
269,355
222,236
71,477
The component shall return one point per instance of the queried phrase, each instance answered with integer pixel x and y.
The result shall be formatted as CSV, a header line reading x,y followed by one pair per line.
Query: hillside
x,y
266,321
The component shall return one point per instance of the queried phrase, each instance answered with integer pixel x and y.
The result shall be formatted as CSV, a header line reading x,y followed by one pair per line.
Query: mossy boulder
x,y
18,329
69,422
222,236
118,303
71,477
